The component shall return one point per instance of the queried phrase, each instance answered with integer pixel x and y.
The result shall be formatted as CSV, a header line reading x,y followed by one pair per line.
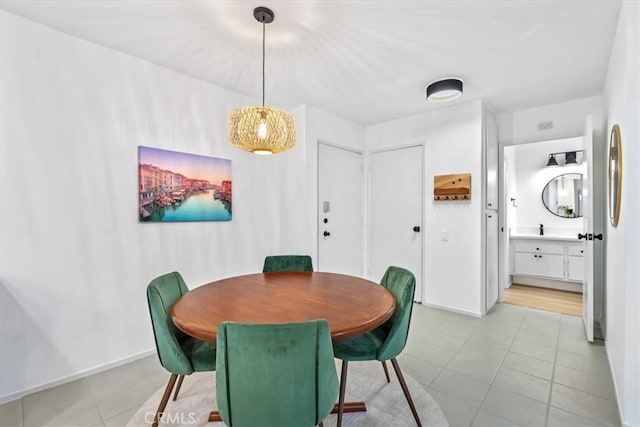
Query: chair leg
x,y
343,386
405,389
180,379
386,371
165,399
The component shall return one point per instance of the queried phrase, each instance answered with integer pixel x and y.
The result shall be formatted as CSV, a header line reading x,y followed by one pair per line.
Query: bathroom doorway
x,y
543,216
537,249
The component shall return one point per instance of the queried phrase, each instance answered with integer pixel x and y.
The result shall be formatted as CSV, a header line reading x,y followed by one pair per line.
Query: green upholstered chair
x,y
287,263
385,342
179,353
275,374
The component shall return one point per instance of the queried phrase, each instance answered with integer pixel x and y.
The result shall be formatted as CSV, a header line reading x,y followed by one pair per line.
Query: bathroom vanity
x,y
547,261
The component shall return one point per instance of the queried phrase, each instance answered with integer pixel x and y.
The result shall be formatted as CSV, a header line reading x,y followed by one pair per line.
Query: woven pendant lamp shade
x,y
262,130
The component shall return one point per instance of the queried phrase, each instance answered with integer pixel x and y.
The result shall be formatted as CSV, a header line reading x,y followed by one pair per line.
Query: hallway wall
x,y
622,106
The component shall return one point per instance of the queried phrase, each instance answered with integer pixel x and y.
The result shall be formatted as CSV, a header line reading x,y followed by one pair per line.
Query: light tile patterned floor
x,y
517,366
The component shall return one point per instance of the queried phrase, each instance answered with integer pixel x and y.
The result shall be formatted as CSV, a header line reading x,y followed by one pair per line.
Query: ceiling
x,y
365,61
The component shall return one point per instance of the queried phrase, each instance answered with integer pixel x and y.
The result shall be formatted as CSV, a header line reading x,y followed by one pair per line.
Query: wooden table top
x,y
351,305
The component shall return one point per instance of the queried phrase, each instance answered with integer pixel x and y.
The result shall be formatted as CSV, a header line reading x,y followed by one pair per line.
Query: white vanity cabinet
x,y
575,262
536,258
554,260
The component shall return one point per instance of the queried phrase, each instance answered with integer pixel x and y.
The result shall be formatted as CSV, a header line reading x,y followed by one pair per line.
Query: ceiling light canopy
x,y
260,129
444,90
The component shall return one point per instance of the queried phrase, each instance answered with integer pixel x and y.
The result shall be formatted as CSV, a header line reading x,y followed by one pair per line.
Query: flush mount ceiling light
x,y
444,90
260,129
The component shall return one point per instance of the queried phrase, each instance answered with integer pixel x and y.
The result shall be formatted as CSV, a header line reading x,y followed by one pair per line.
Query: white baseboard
x,y
547,283
454,309
82,374
615,387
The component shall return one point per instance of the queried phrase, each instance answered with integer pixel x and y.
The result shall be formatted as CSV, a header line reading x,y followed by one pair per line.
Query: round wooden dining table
x,y
351,305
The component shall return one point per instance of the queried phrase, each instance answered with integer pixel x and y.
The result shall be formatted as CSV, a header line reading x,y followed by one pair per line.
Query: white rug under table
x,y
386,404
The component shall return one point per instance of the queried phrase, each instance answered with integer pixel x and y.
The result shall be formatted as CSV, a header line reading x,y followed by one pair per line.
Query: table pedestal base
x,y
348,407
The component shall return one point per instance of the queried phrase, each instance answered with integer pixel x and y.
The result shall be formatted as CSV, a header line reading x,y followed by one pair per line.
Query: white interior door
x,y
340,210
587,203
396,206
491,251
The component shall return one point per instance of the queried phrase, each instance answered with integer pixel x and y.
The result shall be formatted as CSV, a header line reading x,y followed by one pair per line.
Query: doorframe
x,y
363,162
503,246
503,241
421,144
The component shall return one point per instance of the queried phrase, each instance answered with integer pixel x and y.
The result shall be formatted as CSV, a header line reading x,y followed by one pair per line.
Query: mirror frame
x,y
553,180
615,175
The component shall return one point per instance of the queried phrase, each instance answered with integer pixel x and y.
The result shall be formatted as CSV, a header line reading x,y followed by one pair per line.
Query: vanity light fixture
x,y
444,90
570,158
260,129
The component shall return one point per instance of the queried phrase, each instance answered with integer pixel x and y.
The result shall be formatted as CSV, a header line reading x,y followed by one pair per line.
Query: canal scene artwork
x,y
182,187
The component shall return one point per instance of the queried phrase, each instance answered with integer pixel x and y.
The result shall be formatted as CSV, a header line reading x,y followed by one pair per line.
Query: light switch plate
x,y
444,235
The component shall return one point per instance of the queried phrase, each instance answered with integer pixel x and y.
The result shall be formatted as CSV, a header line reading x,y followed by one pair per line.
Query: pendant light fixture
x,y
444,90
260,129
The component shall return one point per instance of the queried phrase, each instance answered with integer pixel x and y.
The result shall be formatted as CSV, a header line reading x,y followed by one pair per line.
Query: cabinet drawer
x,y
540,247
576,250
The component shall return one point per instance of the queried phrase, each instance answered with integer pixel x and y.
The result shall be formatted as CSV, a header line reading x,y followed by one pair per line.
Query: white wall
x,y
622,106
453,144
521,127
74,261
531,176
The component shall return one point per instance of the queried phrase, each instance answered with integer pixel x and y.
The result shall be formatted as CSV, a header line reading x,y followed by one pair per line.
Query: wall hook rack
x,y
456,187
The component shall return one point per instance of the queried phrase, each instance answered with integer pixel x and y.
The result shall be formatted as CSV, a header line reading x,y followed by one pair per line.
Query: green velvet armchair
x,y
385,342
179,353
287,263
275,374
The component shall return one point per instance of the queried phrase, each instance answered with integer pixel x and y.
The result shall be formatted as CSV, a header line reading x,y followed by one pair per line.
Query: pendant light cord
x,y
263,54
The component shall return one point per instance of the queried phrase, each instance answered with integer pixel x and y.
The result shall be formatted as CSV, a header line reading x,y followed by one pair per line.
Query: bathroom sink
x,y
546,236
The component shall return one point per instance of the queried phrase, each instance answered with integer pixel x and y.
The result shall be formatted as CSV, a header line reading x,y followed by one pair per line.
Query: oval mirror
x,y
615,175
562,196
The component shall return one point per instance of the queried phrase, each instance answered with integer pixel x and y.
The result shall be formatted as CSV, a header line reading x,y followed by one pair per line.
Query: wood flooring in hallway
x,y
558,301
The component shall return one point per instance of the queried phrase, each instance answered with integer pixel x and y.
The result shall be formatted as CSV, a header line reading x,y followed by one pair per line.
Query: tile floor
x,y
517,366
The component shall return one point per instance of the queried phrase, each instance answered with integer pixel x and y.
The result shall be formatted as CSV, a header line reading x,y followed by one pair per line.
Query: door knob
x,y
326,234
598,236
582,236
416,228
